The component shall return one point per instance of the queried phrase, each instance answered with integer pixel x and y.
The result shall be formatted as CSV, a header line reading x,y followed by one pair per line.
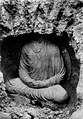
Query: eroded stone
x,y
78,114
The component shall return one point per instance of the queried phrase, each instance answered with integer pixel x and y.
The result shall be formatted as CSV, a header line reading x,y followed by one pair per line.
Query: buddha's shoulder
x,y
26,47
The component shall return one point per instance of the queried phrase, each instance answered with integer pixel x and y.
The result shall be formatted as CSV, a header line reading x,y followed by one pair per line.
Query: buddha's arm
x,y
40,84
30,82
60,75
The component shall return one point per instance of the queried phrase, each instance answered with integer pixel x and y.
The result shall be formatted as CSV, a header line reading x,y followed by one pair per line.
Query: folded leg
x,y
54,93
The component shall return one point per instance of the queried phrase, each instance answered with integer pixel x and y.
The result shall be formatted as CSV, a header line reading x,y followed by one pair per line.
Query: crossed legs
x,y
54,93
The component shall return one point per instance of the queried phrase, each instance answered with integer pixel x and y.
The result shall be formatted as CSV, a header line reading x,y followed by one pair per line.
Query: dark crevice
x,y
60,13
78,5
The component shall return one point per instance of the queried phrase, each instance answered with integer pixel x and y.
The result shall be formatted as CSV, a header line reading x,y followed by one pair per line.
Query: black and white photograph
x,y
41,59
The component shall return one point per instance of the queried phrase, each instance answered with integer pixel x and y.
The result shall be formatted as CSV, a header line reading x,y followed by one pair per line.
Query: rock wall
x,y
45,17
42,16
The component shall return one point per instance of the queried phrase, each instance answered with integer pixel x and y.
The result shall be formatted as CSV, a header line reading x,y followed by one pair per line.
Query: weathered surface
x,y
44,17
78,114
63,17
18,107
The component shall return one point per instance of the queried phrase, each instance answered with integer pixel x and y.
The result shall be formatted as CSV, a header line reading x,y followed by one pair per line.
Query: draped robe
x,y
42,63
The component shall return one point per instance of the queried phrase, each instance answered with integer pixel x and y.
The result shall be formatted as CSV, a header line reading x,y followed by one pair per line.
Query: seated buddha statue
x,y
41,69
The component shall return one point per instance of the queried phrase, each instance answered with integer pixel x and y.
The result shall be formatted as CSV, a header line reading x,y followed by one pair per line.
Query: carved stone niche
x,y
10,52
50,18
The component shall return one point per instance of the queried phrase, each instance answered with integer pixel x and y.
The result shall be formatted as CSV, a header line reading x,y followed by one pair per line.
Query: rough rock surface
x,y
78,114
44,17
65,15
19,107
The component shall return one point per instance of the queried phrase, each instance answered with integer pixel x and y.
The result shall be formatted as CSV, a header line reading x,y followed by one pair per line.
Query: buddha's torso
x,y
41,60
